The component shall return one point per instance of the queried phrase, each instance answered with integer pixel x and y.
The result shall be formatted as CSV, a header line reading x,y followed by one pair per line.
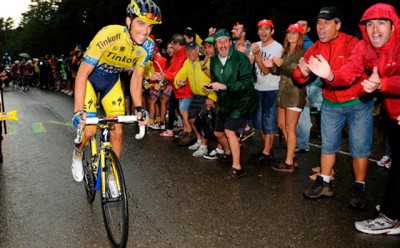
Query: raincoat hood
x,y
381,11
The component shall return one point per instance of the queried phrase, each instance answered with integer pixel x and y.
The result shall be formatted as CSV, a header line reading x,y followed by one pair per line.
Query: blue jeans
x,y
266,111
359,118
303,128
184,103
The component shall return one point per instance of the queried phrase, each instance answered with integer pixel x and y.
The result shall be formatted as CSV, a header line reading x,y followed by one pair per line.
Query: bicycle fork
x,y
111,170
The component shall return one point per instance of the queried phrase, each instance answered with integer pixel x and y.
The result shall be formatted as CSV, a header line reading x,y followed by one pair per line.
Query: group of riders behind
x,y
48,72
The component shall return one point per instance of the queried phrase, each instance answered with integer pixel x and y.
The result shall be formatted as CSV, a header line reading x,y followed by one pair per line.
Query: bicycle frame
x,y
98,155
98,152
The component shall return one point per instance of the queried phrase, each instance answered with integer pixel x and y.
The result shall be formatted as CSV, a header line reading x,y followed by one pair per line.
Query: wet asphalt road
x,y
175,200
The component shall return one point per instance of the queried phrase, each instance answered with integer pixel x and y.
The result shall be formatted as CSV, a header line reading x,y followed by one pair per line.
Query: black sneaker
x,y
247,134
358,199
226,158
320,188
265,159
301,150
235,173
283,167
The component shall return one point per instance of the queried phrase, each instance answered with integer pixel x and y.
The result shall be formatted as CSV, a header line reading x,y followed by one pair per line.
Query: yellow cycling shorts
x,y
111,94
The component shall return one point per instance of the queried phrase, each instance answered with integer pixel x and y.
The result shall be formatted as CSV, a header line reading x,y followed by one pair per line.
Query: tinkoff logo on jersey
x,y
116,57
108,40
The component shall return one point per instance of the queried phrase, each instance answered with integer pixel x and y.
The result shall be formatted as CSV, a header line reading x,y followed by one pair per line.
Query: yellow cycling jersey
x,y
111,51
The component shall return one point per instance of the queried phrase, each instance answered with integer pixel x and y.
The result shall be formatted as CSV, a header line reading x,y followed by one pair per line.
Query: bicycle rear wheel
x,y
115,204
89,178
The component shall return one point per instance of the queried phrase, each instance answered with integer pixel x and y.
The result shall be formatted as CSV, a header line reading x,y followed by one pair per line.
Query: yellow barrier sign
x,y
9,116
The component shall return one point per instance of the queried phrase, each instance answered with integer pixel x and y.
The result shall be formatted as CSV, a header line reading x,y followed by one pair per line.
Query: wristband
x,y
79,111
139,108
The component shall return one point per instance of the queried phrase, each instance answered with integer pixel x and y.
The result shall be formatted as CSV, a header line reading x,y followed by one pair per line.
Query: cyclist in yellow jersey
x,y
113,49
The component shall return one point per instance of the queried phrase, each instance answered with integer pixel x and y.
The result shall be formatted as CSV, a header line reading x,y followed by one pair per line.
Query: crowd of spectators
x,y
47,72
288,83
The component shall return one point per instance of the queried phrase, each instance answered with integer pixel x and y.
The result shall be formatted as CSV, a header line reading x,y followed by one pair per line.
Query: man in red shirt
x,y
341,105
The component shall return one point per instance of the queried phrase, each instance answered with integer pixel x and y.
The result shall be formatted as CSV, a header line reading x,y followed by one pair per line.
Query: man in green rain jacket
x,y
232,79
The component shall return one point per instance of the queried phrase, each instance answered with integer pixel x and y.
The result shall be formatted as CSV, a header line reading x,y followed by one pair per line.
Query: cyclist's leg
x,y
90,107
88,132
114,104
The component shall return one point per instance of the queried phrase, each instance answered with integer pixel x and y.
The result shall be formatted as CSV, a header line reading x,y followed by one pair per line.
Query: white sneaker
x,y
385,159
178,122
76,168
379,225
162,126
195,146
200,152
155,126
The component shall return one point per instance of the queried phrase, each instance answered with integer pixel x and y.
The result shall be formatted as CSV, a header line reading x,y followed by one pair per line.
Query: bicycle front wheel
x,y
114,201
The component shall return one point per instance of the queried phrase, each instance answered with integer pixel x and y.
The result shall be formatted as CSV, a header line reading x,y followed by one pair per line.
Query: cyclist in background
x,y
113,49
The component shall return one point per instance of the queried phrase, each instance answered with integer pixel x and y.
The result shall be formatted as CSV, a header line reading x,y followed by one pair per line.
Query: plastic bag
x,y
205,123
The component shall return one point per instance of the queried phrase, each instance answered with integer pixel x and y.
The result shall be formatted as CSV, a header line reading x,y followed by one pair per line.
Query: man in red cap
x,y
266,88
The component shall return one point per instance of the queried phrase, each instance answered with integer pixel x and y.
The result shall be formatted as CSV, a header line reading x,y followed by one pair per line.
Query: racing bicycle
x,y
103,172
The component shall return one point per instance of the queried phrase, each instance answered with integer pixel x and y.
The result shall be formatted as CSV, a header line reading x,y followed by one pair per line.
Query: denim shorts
x,y
359,118
266,111
184,104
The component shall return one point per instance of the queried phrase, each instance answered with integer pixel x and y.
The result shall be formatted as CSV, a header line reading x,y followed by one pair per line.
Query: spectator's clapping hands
x,y
255,49
268,62
211,31
320,67
303,67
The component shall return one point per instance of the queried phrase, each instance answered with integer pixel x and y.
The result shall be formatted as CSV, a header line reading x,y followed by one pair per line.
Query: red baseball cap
x,y
296,27
265,22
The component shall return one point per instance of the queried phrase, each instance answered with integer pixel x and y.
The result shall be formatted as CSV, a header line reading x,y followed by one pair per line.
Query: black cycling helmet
x,y
146,10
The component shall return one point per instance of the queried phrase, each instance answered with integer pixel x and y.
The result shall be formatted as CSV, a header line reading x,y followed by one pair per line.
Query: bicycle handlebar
x,y
121,119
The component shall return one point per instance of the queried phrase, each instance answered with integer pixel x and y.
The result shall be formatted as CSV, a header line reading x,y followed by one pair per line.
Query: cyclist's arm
x,y
136,86
80,85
